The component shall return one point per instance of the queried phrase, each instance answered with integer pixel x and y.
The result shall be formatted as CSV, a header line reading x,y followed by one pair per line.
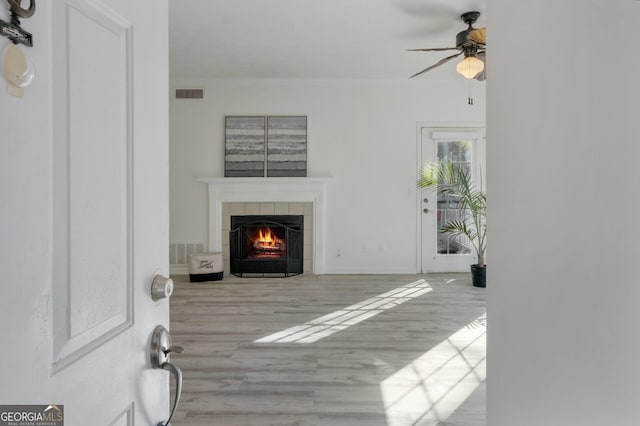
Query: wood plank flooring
x,y
230,380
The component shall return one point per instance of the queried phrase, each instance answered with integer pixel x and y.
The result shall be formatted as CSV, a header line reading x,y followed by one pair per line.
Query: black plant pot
x,y
479,276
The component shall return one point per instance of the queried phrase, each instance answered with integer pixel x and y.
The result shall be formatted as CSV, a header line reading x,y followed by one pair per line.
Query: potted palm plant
x,y
453,180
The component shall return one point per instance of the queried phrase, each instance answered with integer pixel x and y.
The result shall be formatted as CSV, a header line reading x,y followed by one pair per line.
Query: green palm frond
x,y
457,227
449,179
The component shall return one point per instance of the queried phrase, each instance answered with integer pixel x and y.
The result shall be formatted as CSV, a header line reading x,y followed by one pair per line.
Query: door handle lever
x,y
175,349
161,348
177,373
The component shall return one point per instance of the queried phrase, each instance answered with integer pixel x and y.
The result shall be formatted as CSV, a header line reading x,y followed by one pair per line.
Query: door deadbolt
x,y
161,287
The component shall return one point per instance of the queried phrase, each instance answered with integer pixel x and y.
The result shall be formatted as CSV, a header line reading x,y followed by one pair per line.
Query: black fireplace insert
x,y
266,245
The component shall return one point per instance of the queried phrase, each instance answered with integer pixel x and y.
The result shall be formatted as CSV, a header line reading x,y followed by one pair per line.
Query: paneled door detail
x,y
92,133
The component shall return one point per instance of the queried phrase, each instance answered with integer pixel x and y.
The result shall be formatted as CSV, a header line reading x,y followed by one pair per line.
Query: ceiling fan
x,y
470,42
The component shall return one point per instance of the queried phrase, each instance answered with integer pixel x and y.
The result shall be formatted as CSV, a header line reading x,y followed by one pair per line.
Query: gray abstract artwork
x,y
273,146
287,146
244,147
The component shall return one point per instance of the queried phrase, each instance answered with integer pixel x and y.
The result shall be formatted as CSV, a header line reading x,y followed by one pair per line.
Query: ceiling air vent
x,y
189,93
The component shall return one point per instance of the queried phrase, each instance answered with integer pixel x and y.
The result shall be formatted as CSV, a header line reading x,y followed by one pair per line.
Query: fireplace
x,y
266,245
244,196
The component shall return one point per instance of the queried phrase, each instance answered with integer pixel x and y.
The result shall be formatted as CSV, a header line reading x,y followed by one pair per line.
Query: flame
x,y
267,244
267,239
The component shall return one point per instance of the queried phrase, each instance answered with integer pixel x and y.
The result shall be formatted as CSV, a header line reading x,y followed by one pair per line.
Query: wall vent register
x,y
189,93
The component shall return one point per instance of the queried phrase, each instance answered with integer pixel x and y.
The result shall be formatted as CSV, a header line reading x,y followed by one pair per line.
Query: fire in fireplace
x,y
266,245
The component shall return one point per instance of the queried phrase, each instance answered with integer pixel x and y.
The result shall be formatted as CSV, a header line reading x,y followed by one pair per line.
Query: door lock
x,y
161,287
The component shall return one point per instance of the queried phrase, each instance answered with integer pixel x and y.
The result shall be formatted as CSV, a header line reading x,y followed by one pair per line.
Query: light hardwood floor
x,y
231,380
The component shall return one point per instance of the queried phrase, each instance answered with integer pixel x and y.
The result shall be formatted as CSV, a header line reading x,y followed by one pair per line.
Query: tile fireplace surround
x,y
270,196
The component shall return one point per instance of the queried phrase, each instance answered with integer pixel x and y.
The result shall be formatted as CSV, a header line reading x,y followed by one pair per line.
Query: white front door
x,y
85,213
464,146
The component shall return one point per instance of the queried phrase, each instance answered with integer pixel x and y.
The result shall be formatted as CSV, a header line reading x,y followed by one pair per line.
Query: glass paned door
x,y
464,148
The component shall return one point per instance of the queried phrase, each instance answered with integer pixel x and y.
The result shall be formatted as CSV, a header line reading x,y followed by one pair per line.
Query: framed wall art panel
x,y
287,146
245,144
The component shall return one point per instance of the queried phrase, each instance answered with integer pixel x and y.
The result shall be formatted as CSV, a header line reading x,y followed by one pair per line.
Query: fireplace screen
x,y
266,245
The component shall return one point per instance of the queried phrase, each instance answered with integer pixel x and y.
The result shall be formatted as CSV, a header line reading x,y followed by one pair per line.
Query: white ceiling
x,y
313,39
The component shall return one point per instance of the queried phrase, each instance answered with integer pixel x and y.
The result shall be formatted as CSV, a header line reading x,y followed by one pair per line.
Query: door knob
x,y
161,287
426,210
161,348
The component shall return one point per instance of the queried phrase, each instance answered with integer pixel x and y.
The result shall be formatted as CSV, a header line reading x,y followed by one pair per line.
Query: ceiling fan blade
x,y
435,49
437,64
430,19
478,36
423,9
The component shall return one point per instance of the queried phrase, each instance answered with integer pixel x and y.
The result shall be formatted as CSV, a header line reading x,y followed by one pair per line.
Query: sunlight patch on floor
x,y
319,328
430,388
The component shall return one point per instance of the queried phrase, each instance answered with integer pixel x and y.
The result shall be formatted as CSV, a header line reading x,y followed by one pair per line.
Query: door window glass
x,y
448,206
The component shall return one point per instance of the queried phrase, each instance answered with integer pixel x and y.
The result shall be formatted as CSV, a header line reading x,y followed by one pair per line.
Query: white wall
x,y
564,296
362,132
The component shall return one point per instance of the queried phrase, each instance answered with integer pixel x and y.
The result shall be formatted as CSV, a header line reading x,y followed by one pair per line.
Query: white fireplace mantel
x,y
280,189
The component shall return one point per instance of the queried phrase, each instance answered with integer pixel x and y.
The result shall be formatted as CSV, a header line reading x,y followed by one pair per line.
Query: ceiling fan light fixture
x,y
470,67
